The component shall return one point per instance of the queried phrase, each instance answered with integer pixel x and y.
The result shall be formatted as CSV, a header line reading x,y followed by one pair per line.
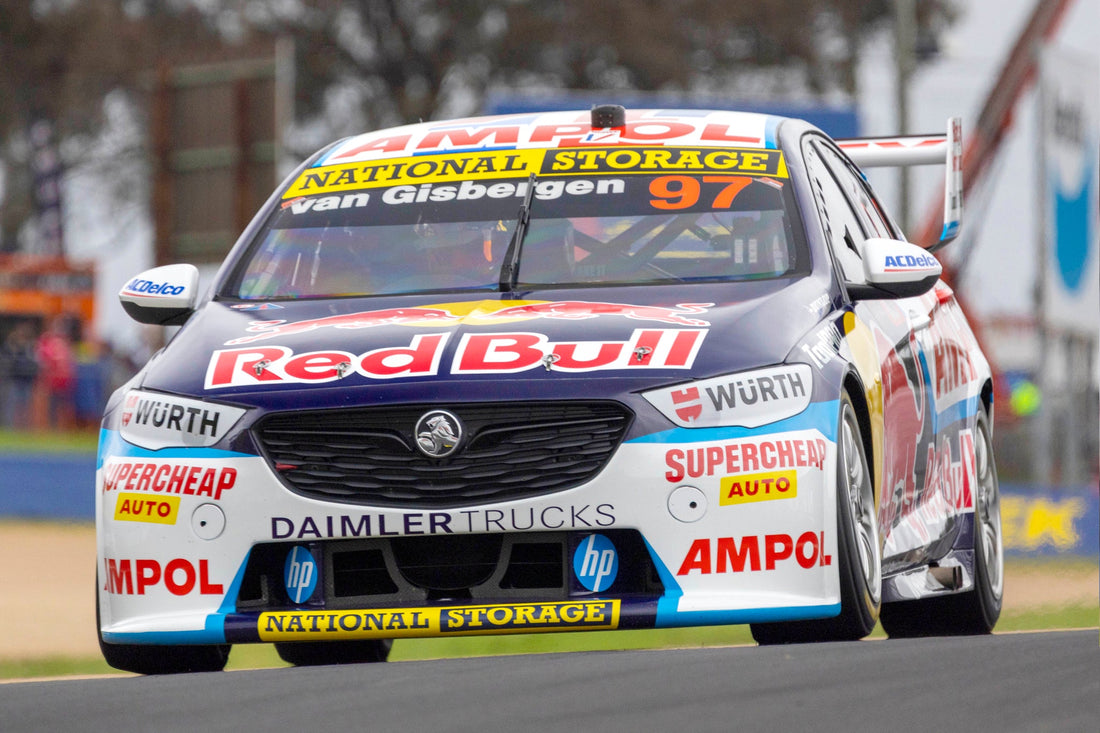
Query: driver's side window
x,y
841,225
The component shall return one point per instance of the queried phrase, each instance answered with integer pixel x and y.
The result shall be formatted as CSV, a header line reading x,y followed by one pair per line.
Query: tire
x,y
312,654
975,611
160,658
859,549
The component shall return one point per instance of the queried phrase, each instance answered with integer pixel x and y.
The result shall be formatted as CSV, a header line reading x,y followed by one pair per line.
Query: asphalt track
x,y
1011,682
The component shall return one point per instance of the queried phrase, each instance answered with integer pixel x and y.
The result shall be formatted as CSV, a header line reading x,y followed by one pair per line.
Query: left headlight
x,y
154,421
746,399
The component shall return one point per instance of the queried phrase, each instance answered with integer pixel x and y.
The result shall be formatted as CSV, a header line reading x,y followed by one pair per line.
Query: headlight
x,y
745,399
154,421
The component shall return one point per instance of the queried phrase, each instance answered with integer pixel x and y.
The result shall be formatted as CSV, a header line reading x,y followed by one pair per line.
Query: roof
x,y
701,128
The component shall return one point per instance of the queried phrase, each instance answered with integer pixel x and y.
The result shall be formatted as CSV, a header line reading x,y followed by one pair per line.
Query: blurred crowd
x,y
56,378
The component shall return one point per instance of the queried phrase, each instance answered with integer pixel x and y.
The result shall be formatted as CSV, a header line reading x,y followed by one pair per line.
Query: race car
x,y
563,371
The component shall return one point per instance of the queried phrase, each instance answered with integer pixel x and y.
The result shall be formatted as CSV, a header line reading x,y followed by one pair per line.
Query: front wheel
x,y
859,551
160,658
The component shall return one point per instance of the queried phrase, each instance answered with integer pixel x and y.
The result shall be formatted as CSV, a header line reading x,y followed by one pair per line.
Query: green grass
x,y
263,656
67,441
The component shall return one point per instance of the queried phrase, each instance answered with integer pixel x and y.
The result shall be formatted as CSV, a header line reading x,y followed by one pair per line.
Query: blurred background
x,y
136,133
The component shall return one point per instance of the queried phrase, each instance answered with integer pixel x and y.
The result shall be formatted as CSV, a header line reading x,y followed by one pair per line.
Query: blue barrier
x,y
1036,521
48,485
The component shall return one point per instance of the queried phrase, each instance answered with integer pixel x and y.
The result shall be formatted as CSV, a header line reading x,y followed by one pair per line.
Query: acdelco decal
x,y
179,577
466,620
733,555
168,478
485,353
648,160
137,286
156,421
734,458
139,508
754,487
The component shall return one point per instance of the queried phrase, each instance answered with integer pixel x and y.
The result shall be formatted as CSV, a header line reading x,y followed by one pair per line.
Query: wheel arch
x,y
852,385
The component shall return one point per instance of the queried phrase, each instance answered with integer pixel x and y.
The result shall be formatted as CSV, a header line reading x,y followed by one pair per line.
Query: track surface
x,y
1014,682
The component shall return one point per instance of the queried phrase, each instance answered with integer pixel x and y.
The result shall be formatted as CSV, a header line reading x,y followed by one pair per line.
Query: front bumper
x,y
681,528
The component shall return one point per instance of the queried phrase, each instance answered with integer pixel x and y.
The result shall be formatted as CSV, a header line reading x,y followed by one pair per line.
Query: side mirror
x,y
163,296
895,269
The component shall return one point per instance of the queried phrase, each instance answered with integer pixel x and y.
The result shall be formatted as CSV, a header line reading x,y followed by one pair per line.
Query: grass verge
x,y
70,441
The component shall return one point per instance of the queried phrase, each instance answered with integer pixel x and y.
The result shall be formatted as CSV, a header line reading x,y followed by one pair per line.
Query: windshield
x,y
605,229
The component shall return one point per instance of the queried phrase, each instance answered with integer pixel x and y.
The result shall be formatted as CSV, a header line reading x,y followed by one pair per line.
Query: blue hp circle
x,y
300,574
596,563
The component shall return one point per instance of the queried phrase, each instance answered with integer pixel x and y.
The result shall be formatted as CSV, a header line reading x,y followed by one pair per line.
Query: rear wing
x,y
906,150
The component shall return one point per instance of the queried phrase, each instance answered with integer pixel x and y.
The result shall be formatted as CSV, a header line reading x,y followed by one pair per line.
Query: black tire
x,y
975,611
314,653
859,549
160,658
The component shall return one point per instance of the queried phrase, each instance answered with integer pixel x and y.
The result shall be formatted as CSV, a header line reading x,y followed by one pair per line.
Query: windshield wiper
x,y
510,267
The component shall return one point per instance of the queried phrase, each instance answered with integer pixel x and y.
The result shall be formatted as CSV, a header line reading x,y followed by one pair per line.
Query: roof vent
x,y
608,115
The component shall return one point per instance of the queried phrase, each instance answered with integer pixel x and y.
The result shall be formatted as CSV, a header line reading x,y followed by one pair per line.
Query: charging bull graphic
x,y
564,310
909,413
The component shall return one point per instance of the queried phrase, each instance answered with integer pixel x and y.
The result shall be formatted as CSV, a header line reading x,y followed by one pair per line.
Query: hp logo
x,y
300,574
596,563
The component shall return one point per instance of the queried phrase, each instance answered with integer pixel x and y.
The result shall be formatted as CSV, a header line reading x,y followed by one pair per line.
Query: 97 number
x,y
682,192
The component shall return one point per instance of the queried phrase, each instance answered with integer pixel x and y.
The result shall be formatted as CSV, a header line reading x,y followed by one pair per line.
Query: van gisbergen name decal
x,y
521,164
464,620
478,353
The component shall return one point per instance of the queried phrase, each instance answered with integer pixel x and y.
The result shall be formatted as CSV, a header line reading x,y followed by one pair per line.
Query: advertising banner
x,y
1069,110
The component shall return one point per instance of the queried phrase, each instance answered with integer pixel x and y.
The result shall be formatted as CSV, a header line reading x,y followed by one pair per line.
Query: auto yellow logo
x,y
132,507
754,487
446,621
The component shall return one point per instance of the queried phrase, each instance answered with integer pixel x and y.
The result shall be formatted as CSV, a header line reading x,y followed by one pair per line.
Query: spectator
x,y
57,371
19,369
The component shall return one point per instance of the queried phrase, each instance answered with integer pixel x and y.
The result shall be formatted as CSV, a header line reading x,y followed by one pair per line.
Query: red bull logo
x,y
477,353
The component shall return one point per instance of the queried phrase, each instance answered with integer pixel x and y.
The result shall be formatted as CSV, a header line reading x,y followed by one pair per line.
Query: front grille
x,y
368,455
419,571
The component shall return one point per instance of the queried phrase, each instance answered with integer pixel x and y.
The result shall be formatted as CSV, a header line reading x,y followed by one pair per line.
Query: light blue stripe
x,y
821,416
746,615
112,444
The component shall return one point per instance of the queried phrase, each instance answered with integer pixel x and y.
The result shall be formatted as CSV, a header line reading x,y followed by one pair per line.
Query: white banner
x,y
1069,109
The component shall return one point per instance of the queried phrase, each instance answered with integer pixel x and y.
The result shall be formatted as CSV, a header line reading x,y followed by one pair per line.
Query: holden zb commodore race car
x,y
554,372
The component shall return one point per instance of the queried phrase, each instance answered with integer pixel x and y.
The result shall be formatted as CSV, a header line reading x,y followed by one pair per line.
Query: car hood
x,y
546,344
